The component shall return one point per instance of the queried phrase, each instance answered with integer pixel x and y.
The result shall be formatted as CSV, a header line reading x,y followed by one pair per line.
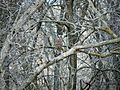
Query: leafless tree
x,y
59,45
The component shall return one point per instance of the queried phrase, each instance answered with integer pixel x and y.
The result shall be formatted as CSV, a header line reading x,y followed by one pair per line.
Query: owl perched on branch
x,y
58,43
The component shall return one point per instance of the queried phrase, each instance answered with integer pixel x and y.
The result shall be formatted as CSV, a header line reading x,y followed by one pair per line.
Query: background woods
x,y
59,44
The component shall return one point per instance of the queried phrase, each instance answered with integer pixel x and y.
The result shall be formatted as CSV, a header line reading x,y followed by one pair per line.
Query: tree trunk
x,y
72,41
56,77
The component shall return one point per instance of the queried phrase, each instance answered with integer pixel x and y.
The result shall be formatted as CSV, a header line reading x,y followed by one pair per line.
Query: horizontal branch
x,y
66,54
102,55
102,43
66,23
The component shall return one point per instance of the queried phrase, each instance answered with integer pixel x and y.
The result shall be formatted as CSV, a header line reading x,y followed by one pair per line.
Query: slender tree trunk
x,y
72,73
56,77
72,41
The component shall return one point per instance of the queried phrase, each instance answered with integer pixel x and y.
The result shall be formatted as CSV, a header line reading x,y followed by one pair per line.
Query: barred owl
x,y
58,43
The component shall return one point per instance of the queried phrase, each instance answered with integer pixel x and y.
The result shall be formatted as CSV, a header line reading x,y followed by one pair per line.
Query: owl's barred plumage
x,y
58,42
